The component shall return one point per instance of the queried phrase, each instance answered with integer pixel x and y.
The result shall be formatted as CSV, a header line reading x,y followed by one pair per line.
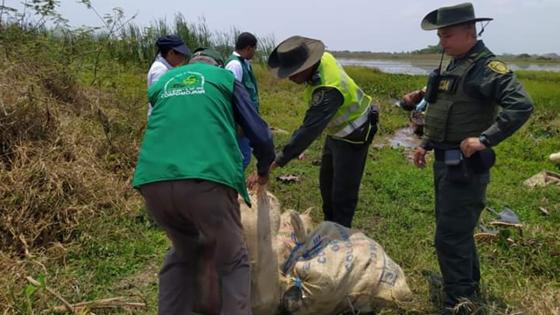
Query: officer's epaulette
x,y
497,66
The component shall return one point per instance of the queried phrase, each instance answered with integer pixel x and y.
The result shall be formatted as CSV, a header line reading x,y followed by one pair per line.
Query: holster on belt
x,y
460,169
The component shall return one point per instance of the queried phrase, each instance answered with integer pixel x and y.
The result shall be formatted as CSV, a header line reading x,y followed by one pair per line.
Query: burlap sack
x,y
293,231
329,271
260,224
338,270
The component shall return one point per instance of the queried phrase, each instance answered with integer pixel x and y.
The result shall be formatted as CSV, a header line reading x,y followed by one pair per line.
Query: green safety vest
x,y
191,132
456,115
354,112
248,79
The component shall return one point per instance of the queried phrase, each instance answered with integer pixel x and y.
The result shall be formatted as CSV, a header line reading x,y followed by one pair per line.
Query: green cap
x,y
211,53
449,16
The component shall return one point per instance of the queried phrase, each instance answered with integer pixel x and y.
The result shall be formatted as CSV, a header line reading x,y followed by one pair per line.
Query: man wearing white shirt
x,y
172,52
239,64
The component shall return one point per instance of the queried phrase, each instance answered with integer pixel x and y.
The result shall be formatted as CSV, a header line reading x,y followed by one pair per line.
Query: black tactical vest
x,y
456,115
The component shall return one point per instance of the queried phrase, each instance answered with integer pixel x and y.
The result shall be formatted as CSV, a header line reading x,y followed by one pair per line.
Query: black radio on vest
x,y
432,86
433,82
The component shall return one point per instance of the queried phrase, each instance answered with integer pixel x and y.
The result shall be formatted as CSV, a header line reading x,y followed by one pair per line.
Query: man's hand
x,y
255,179
420,157
411,99
470,146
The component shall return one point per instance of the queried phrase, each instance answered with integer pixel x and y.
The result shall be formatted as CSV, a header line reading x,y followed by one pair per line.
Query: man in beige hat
x,y
337,105
475,103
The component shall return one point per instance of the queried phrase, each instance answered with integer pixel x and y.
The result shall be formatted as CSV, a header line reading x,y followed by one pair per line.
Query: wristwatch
x,y
484,140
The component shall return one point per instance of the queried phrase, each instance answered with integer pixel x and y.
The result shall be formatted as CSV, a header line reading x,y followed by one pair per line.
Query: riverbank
x,y
521,59
114,250
423,66
70,126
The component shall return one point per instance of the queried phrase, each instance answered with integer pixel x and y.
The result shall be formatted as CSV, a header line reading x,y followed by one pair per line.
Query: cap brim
x,y
316,50
429,23
182,49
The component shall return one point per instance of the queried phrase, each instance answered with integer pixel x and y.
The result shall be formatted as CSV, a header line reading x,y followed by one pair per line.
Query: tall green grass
x,y
132,43
121,40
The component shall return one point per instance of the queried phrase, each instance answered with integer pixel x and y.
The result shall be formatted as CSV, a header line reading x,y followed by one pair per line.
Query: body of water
x,y
420,67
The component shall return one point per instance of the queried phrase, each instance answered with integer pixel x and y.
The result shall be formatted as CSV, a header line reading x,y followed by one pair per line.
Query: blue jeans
x,y
246,151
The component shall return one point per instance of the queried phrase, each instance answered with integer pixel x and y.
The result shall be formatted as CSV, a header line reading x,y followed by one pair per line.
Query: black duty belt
x,y
480,161
439,155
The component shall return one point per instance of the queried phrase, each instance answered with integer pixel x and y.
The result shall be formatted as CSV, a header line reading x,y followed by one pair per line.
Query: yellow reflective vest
x,y
354,112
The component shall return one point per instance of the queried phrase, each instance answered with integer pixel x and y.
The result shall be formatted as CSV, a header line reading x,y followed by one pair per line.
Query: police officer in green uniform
x,y
463,123
338,106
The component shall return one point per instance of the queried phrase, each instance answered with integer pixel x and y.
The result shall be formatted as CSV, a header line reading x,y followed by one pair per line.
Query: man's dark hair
x,y
245,40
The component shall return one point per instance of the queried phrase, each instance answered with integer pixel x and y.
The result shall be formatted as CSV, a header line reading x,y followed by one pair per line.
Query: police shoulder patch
x,y
318,97
498,67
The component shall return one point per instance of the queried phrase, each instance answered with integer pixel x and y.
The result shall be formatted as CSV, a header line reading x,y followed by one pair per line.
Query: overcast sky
x,y
519,26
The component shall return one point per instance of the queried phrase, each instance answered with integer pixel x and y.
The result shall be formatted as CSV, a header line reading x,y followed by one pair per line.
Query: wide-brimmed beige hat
x,y
449,16
294,55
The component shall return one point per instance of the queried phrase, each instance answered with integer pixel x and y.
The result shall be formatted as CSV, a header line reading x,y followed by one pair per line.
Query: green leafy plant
x,y
31,290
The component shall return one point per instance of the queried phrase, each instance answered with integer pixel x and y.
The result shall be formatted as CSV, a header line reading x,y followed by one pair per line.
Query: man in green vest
x,y
339,106
239,63
190,173
462,125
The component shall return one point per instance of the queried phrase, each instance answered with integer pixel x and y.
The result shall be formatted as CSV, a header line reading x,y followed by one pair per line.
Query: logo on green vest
x,y
184,83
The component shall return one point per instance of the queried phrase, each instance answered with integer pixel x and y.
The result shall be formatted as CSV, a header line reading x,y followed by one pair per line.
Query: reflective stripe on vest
x,y
353,125
355,108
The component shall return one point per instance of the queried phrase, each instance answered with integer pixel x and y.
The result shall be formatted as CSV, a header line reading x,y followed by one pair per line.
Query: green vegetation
x,y
70,124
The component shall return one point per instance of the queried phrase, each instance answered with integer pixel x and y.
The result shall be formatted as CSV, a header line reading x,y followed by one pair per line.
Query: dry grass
x,y
541,301
62,163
